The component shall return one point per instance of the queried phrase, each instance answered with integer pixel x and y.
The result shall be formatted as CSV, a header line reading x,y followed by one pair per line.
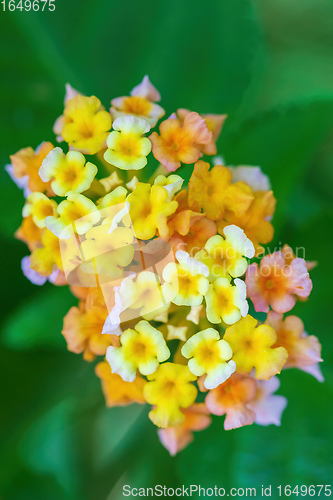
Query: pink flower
x,y
268,407
304,351
231,399
175,439
275,283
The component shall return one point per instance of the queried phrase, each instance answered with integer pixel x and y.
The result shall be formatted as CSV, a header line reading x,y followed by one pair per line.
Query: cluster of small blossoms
x,y
164,272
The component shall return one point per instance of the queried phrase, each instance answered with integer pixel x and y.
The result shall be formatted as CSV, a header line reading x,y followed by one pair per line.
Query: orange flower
x,y
180,142
29,233
189,230
231,399
26,164
79,292
213,192
83,331
255,220
183,218
116,391
214,124
175,439
303,350
194,241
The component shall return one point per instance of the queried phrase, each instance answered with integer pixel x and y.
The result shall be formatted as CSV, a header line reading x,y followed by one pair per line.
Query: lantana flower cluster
x,y
169,276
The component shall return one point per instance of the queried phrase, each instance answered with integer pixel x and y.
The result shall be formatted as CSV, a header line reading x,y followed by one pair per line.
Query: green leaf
x,y
38,322
47,447
282,142
296,57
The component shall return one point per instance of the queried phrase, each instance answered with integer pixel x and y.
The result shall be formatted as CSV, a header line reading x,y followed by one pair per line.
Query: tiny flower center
x,y
44,210
137,105
224,302
73,214
186,283
210,190
209,354
169,387
70,174
145,210
86,131
139,348
129,145
270,284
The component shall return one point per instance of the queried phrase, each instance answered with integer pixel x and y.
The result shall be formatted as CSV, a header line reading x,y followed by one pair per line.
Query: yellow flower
x,y
39,207
145,294
44,259
209,355
106,254
172,183
133,299
141,349
140,103
67,172
76,214
186,282
138,106
149,209
252,348
225,256
115,197
85,124
170,389
70,92
226,302
113,208
127,148
212,191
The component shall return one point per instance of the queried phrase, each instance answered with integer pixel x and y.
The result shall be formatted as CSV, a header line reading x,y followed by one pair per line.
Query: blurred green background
x,y
269,65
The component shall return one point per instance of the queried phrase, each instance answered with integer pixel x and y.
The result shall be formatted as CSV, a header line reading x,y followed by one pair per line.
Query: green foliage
x,y
39,321
267,63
